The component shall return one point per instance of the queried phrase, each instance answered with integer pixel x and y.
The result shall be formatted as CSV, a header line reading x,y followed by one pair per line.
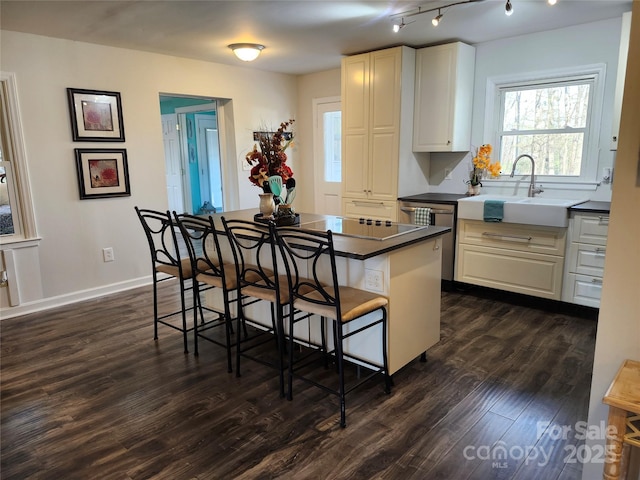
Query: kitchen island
x,y
405,267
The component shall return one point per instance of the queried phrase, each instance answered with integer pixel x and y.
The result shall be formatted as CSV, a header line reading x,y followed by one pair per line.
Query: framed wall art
x,y
96,116
102,172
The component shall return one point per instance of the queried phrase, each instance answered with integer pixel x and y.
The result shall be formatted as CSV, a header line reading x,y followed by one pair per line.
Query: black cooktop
x,y
362,228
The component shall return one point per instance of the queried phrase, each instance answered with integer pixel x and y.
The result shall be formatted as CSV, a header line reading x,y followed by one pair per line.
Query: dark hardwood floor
x,y
87,394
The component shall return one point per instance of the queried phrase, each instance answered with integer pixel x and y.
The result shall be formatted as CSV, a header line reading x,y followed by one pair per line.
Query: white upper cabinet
x,y
373,91
622,70
443,98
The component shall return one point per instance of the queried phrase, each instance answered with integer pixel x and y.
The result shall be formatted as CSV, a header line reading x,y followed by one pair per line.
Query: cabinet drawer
x,y
591,229
586,259
582,290
521,272
523,238
369,209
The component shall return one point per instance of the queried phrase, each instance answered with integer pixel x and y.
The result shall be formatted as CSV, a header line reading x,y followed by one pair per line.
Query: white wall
x,y
618,334
73,231
580,45
317,85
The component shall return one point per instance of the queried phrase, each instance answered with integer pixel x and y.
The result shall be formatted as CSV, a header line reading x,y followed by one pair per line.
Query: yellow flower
x,y
481,164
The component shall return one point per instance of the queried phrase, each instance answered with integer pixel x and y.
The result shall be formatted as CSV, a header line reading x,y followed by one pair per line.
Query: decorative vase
x,y
476,189
267,205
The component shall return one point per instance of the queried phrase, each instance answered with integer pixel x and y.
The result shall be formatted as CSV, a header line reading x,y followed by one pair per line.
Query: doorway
x,y
194,171
327,152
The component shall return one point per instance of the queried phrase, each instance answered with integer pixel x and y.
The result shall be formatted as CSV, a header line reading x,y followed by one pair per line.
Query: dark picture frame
x,y
102,172
96,115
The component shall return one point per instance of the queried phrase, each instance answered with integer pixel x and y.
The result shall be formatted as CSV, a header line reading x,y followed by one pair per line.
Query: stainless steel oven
x,y
441,215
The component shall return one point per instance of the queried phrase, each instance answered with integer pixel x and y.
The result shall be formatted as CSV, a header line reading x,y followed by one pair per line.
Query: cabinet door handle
x,y
603,220
597,281
513,238
600,251
366,204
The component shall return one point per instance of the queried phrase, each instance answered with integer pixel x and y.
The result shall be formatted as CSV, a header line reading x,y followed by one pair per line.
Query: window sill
x,y
14,243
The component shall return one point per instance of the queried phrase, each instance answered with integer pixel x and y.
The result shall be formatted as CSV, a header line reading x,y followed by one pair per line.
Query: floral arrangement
x,y
270,160
481,165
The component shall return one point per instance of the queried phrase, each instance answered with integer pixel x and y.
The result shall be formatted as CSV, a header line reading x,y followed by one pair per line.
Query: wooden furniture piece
x,y
377,114
253,254
623,398
166,259
210,272
310,262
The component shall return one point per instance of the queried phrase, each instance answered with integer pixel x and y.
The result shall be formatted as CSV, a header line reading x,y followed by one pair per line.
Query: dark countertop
x,y
351,247
443,198
592,206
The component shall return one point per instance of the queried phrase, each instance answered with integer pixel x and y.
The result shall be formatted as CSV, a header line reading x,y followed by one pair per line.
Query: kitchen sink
x,y
546,211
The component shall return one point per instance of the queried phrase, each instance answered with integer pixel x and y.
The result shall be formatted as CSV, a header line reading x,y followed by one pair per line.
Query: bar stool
x,y
210,272
314,298
254,256
166,259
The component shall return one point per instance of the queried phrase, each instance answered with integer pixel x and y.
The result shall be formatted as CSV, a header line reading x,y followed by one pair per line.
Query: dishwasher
x,y
440,215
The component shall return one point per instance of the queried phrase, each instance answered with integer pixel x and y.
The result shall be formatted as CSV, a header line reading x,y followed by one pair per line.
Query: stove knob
x,y
361,220
378,222
369,221
388,223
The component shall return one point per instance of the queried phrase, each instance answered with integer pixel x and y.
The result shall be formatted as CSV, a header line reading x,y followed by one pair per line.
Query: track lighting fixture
x,y
508,8
436,20
418,11
247,52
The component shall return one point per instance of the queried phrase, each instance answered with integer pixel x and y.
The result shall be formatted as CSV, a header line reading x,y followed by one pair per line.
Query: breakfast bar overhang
x,y
403,263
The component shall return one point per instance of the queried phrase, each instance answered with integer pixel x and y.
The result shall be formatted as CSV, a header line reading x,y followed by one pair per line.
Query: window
x,y
555,120
17,221
332,146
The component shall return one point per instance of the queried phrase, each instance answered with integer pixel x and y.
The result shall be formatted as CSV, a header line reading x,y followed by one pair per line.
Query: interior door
x,y
209,160
328,156
173,162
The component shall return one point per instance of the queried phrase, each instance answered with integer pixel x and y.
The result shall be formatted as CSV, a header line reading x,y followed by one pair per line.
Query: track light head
x,y
508,8
398,26
436,20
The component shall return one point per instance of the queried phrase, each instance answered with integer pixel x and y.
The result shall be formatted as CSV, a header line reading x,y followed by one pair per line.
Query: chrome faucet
x,y
532,186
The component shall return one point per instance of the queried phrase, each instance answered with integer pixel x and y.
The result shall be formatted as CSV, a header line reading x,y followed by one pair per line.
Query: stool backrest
x,y
313,251
202,243
253,254
161,235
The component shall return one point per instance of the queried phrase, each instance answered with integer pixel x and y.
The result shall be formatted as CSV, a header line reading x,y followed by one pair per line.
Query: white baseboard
x,y
52,302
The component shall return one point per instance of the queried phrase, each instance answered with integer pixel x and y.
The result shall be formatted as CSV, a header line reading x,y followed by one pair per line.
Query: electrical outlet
x,y
107,254
374,280
447,174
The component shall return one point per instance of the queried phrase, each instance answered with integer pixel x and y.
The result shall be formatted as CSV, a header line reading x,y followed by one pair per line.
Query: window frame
x,y
493,115
18,182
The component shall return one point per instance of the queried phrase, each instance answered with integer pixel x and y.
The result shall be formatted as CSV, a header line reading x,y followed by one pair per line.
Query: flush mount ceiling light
x,y
552,2
247,52
508,8
419,11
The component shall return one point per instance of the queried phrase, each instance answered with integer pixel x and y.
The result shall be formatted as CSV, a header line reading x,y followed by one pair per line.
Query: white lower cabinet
x,y
585,258
513,257
377,210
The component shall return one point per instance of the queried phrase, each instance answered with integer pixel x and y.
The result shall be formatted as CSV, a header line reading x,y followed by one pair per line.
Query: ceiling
x,y
300,36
